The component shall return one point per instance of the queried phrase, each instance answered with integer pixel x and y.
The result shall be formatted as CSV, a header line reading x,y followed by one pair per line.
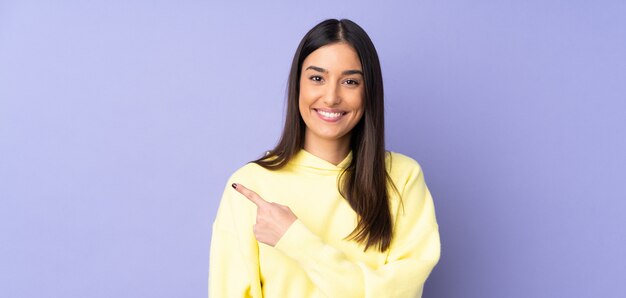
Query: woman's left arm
x,y
414,251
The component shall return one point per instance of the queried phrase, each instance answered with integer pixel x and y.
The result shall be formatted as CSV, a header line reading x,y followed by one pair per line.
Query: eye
x,y
352,82
315,78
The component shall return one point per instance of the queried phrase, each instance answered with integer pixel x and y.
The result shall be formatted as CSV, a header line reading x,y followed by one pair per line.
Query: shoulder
x,y
408,179
400,166
248,173
251,175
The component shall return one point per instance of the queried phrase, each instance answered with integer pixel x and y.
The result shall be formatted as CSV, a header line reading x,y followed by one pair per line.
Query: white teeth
x,y
329,115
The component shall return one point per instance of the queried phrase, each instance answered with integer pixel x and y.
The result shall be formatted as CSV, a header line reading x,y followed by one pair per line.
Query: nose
x,y
332,96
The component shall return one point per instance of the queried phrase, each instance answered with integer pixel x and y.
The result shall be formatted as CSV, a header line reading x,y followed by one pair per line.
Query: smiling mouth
x,y
330,116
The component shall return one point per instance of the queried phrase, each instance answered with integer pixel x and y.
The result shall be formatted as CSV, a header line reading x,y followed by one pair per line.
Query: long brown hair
x,y
363,183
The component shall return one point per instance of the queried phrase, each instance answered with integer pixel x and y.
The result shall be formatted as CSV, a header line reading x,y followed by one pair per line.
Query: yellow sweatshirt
x,y
313,259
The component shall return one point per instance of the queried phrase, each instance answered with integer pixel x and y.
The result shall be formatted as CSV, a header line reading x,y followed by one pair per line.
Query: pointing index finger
x,y
251,195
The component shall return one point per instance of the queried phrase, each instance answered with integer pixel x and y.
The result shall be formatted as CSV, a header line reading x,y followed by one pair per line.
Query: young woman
x,y
328,212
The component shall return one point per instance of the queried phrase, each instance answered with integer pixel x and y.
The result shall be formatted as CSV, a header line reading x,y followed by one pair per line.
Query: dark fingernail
x,y
234,185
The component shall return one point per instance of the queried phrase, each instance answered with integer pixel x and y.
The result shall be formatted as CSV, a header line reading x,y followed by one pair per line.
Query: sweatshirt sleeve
x,y
414,251
234,258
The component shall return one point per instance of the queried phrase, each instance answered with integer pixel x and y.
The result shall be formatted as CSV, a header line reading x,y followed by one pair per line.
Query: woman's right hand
x,y
272,219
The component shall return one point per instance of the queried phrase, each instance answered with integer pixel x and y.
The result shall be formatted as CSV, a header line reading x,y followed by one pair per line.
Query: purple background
x,y
120,122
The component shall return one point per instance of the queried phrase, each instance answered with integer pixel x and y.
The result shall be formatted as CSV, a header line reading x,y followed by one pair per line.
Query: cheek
x,y
307,97
302,99
302,108
303,103
358,103
306,92
359,116
303,91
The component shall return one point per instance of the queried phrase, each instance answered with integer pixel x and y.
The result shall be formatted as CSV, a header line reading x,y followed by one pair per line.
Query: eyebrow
x,y
345,72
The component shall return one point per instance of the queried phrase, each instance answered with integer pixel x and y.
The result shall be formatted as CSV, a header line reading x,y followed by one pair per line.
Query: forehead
x,y
334,57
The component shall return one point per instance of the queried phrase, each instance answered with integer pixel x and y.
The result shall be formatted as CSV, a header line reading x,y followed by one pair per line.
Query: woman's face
x,y
331,93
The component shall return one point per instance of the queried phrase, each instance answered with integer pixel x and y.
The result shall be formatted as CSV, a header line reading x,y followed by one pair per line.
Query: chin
x,y
331,136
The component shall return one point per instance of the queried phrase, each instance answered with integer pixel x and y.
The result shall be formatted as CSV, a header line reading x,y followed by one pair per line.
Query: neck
x,y
333,151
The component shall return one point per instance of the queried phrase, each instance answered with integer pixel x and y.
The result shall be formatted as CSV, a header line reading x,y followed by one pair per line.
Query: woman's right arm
x,y
234,260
